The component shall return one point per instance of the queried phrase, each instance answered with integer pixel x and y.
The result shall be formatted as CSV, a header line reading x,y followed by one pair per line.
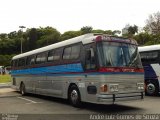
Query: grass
x,y
5,78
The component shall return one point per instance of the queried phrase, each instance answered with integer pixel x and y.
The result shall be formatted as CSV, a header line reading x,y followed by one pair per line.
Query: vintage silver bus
x,y
94,68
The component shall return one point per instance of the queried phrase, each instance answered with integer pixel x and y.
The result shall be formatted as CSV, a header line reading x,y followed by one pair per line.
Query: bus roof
x,y
149,48
85,39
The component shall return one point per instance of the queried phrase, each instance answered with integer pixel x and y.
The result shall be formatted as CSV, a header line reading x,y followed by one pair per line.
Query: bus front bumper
x,y
116,98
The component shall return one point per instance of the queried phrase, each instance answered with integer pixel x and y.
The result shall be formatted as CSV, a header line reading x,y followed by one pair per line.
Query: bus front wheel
x,y
151,89
74,96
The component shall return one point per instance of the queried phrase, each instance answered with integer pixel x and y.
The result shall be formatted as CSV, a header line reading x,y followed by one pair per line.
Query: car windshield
x,y
113,54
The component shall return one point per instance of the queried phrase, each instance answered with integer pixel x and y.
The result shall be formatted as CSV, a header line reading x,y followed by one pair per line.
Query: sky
x,y
66,15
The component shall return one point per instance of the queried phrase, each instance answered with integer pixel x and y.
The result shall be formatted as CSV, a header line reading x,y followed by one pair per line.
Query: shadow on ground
x,y
98,108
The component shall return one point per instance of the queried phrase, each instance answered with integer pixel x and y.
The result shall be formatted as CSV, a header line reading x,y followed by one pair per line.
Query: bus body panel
x,y
58,85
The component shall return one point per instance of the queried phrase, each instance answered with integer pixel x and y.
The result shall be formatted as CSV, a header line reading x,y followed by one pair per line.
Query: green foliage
x,y
5,60
5,78
98,31
132,29
143,38
70,34
115,32
10,44
32,37
109,32
86,29
47,36
147,39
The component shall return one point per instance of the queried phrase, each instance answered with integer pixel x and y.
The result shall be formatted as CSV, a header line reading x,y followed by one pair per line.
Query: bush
x,y
5,60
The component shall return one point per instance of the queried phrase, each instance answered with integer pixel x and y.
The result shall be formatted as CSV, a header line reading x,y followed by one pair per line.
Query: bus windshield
x,y
114,54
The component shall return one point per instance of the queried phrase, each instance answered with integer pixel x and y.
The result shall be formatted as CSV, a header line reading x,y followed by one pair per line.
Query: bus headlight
x,y
113,87
140,86
104,88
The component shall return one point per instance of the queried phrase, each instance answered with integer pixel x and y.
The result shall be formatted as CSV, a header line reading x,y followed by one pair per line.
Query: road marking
x,y
34,103
27,100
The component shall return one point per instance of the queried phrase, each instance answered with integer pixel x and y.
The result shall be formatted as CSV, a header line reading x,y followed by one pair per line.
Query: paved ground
x,y
46,108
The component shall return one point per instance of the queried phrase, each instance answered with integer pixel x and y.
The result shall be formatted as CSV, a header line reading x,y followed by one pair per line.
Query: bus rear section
x,y
150,56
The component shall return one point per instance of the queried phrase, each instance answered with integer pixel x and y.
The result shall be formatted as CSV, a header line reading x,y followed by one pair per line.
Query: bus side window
x,y
14,64
30,60
21,62
149,57
90,59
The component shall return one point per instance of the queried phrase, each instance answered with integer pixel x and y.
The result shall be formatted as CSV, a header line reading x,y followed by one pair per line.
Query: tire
x,y
151,89
74,96
22,89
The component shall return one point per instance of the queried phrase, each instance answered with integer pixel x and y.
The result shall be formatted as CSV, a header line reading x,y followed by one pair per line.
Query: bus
x,y
94,68
150,57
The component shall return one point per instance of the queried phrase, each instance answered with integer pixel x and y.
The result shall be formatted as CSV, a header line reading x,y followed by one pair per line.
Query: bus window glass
x,y
67,53
118,55
21,62
149,55
38,59
75,52
57,54
30,60
54,55
15,63
90,59
71,52
41,58
50,56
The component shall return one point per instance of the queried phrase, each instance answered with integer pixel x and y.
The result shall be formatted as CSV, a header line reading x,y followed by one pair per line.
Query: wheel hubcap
x,y
151,88
74,96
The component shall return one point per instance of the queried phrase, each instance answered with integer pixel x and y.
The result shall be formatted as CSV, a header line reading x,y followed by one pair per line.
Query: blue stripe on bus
x,y
80,74
62,70
149,72
51,69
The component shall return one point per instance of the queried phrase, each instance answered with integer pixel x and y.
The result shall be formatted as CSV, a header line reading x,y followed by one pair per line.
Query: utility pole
x,y
22,27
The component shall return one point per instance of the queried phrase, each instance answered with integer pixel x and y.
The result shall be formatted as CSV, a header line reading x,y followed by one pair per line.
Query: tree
x,y
47,36
144,38
109,32
70,34
153,23
31,39
5,59
129,31
97,31
116,32
132,30
86,29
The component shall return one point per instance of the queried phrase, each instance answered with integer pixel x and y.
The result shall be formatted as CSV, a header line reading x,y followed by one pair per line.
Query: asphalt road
x,y
17,107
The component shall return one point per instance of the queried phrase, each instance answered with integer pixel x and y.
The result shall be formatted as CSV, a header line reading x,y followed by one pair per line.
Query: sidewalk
x,y
7,91
5,85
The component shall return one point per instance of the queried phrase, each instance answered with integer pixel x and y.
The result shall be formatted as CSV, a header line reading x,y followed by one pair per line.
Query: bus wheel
x,y
74,96
151,89
22,89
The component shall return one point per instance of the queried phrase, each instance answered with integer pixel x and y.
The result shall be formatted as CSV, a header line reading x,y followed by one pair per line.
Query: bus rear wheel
x,y
151,89
74,96
22,89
